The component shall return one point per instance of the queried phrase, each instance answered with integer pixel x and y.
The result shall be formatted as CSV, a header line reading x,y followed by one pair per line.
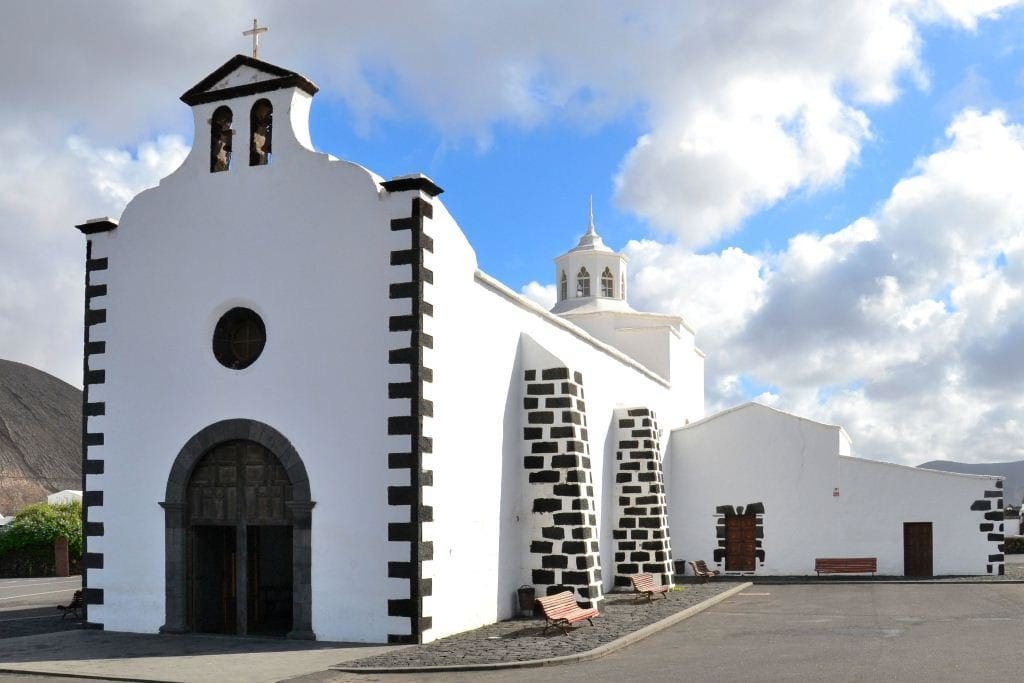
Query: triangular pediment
x,y
241,76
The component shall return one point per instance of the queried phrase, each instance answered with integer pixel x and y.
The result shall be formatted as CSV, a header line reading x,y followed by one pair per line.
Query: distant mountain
x,y
1013,487
40,436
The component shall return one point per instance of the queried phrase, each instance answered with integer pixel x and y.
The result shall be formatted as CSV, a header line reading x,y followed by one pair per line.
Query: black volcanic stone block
x,y
565,461
544,477
575,578
569,518
554,562
547,505
574,547
554,373
543,576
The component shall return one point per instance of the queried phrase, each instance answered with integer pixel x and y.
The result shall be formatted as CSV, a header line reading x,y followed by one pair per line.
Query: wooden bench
x,y
643,584
701,569
845,565
75,606
562,611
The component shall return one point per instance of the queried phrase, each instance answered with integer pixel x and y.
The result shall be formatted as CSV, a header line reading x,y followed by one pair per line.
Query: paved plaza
x,y
842,632
794,632
27,606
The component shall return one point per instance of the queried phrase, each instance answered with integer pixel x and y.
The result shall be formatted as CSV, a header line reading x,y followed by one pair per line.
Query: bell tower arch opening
x,y
237,534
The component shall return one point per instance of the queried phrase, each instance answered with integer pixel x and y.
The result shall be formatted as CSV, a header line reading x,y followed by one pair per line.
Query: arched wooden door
x,y
239,542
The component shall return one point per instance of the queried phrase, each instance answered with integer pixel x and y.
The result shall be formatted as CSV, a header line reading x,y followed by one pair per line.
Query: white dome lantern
x,y
591,276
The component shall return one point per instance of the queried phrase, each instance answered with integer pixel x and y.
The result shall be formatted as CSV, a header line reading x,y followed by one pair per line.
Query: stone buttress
x,y
642,543
564,552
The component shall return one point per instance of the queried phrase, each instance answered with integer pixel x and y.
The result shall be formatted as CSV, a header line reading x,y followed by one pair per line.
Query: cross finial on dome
x,y
590,230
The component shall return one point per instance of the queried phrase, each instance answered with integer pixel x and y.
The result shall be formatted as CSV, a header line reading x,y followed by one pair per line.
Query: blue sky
x,y
522,197
829,191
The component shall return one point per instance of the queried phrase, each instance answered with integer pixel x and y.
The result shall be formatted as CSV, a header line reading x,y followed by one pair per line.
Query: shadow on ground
x,y
32,621
89,644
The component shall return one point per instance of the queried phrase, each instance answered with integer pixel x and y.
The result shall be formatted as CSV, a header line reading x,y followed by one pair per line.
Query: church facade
x,y
309,413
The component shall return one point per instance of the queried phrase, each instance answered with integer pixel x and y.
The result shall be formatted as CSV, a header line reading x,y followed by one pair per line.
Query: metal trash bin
x,y
527,596
680,567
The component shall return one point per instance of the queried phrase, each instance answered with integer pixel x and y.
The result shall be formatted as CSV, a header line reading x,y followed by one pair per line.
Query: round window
x,y
239,338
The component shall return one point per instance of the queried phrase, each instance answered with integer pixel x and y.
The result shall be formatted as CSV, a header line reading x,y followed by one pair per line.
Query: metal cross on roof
x,y
255,32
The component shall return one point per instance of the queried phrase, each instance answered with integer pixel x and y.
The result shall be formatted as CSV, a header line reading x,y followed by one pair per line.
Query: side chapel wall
x,y
483,507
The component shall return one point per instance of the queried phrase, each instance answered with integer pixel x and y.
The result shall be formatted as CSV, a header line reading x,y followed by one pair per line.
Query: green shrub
x,y
40,524
1014,545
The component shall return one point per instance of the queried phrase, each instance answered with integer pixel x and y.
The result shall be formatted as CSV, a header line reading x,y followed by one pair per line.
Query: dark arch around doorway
x,y
175,519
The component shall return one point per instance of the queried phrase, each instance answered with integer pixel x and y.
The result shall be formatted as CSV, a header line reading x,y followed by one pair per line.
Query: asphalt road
x,y
28,606
837,632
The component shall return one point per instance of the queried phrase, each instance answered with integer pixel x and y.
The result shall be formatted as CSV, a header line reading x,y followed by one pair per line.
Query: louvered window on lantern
x,y
564,291
583,283
607,283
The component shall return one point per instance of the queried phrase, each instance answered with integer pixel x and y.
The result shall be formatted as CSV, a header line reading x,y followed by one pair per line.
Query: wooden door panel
x,y
917,549
740,543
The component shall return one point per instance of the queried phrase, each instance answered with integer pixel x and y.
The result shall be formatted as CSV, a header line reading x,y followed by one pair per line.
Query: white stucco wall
x,y
878,497
481,513
793,466
304,242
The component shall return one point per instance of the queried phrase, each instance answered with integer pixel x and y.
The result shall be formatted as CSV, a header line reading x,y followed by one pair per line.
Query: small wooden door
x,y
917,548
740,543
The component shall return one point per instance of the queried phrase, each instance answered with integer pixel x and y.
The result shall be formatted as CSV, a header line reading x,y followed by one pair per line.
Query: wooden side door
x,y
917,549
740,543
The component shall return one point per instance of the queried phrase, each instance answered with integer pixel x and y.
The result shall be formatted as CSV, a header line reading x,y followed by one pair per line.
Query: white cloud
x,y
740,104
545,295
45,189
903,326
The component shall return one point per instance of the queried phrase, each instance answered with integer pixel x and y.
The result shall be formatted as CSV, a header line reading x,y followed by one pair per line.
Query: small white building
x,y
309,412
793,483
64,497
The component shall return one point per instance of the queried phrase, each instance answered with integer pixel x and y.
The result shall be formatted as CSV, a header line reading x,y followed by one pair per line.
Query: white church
x,y
310,413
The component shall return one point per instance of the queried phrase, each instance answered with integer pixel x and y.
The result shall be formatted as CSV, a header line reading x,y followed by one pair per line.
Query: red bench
x,y
643,584
701,569
845,565
561,610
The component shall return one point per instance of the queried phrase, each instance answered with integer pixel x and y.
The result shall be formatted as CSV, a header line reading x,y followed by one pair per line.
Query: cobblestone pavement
x,y
524,639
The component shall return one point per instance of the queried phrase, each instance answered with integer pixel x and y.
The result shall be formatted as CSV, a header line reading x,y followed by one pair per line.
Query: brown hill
x,y
40,436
